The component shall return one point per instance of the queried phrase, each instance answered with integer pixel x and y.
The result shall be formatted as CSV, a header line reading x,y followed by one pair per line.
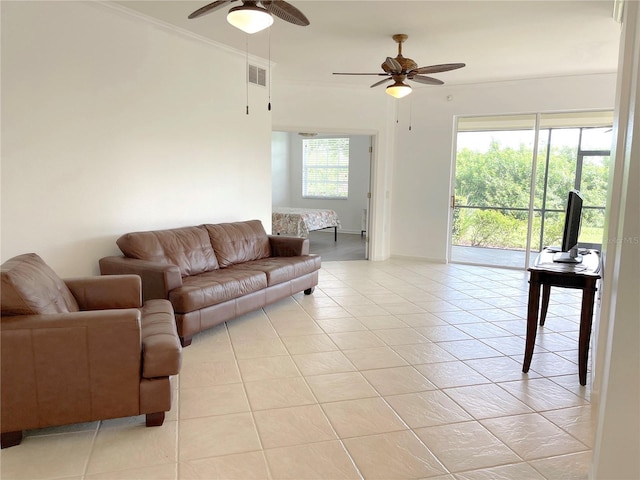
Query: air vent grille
x,y
257,75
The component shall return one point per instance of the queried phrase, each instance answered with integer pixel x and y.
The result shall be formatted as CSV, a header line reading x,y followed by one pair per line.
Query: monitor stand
x,y
571,256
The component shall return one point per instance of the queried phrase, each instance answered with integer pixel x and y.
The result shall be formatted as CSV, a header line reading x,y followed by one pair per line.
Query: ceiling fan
x,y
253,16
401,68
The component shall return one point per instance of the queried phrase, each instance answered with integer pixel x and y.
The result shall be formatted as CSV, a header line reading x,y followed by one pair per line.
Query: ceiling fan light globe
x,y
398,90
249,19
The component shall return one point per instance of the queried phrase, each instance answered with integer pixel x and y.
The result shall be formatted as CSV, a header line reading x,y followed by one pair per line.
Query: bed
x,y
300,221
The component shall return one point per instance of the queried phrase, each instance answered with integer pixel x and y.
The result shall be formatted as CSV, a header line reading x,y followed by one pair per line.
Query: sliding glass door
x,y
494,162
512,176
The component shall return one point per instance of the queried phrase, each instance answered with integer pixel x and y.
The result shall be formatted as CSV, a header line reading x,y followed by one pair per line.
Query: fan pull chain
x,y
410,112
247,72
269,79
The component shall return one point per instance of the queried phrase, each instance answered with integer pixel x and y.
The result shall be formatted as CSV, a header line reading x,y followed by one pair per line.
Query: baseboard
x,y
331,231
418,259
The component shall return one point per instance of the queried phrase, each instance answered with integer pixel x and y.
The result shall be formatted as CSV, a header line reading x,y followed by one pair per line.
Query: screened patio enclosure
x,y
512,178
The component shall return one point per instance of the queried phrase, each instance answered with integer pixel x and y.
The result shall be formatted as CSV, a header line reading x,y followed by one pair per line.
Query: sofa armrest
x,y
107,292
158,279
86,364
283,246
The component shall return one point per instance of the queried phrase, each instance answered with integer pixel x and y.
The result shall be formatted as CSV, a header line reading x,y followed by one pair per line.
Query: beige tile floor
x,y
392,369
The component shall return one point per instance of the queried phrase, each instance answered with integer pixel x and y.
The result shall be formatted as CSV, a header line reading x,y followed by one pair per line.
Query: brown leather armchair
x,y
81,350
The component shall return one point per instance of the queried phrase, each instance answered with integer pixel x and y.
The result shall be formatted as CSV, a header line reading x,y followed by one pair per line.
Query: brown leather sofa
x,y
80,350
214,272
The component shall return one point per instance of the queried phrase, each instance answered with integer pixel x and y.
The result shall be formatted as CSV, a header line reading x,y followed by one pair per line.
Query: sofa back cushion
x,y
239,242
31,287
189,248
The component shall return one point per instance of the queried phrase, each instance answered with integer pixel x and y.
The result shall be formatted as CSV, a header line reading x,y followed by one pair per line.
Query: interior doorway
x,y
309,171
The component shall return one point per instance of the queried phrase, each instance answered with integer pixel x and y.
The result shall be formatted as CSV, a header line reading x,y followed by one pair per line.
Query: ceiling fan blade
x,y
380,82
381,74
209,8
426,80
393,64
445,67
286,12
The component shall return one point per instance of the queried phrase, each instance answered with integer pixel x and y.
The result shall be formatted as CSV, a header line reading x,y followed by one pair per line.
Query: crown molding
x,y
127,12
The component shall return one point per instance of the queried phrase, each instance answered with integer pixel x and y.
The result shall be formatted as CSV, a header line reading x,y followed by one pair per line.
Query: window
x,y
325,168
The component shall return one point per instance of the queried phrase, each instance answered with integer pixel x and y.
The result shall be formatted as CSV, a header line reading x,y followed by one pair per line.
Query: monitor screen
x,y
571,231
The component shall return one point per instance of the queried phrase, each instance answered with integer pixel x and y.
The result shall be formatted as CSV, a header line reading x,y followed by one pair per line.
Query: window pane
x,y
596,139
491,228
553,228
325,168
557,177
493,168
594,181
592,226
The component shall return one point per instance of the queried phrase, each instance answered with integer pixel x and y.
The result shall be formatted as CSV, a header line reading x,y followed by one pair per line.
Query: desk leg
x,y
532,320
335,234
546,292
586,318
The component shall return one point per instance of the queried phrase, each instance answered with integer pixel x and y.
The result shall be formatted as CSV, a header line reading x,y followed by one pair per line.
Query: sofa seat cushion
x,y
31,287
189,248
211,288
282,269
239,242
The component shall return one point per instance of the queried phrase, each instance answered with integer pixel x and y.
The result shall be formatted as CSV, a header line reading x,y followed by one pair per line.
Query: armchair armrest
x,y
107,292
283,246
158,279
161,349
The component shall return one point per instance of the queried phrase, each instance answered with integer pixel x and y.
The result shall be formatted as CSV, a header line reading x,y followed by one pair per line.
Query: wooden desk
x,y
548,274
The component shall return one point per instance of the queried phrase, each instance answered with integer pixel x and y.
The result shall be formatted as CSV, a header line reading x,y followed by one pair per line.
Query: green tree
x,y
498,182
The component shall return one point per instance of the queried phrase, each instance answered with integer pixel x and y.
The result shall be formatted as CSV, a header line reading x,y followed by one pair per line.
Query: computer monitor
x,y
573,215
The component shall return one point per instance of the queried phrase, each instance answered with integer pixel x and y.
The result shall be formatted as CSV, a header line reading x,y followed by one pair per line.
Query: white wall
x,y
280,167
346,110
349,210
423,158
112,124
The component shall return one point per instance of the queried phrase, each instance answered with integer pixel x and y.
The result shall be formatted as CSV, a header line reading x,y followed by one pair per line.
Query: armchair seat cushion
x,y
281,269
212,288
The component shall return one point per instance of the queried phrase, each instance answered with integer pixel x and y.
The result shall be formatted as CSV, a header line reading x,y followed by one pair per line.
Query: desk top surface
x,y
591,264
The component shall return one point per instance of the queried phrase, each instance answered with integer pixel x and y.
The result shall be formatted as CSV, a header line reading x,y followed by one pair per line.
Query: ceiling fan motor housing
x,y
406,63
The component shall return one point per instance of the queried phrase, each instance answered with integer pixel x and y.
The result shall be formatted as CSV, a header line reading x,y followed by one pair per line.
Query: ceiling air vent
x,y
257,75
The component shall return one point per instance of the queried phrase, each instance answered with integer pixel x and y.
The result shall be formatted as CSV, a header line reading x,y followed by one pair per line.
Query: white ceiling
x,y
498,40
